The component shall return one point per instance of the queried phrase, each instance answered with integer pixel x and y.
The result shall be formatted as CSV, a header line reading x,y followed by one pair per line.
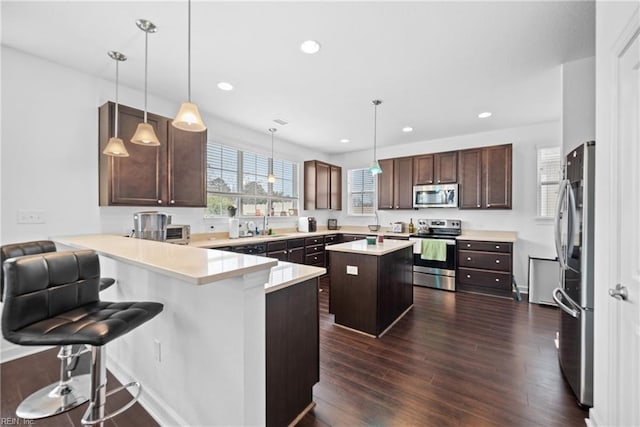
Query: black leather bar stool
x,y
52,299
69,391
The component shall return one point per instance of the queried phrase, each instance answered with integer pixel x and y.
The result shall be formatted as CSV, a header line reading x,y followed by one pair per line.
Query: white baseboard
x,y
160,410
12,352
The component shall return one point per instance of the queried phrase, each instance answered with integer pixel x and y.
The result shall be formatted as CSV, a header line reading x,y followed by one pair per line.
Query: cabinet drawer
x,y
473,245
282,255
352,237
314,249
277,246
331,238
314,240
485,260
484,278
295,243
315,259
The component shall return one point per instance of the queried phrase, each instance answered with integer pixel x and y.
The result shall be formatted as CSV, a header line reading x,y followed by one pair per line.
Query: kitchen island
x,y
371,284
203,361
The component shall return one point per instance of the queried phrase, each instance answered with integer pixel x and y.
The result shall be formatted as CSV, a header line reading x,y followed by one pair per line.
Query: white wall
x,y
535,237
578,103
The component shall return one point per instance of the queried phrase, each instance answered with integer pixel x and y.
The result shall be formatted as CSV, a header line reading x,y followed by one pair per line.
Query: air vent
x,y
281,122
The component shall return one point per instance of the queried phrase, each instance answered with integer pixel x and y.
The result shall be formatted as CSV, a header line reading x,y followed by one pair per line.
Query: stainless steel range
x,y
434,253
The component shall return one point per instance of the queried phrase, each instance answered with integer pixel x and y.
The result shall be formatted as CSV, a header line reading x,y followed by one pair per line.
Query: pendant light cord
x,y
116,125
375,122
189,54
146,54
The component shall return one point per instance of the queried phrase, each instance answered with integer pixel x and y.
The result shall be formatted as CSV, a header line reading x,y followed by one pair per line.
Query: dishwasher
x,y
251,249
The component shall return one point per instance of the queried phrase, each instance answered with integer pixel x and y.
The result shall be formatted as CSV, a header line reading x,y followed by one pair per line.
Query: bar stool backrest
x,y
13,250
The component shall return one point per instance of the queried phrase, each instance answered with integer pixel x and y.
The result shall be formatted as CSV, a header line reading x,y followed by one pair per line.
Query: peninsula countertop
x,y
377,249
191,264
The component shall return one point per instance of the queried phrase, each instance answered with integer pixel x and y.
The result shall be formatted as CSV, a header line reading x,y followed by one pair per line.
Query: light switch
x,y
352,269
30,217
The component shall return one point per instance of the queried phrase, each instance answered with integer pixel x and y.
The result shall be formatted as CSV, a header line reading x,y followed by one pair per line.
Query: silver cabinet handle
x,y
468,258
497,246
172,202
468,245
497,261
478,205
621,293
159,202
497,280
468,276
488,205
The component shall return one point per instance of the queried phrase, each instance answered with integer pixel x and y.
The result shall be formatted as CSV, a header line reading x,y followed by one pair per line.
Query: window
x,y
239,178
549,172
361,189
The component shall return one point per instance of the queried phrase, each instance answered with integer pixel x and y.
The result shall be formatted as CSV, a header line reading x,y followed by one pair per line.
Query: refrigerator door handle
x,y
571,225
557,231
559,296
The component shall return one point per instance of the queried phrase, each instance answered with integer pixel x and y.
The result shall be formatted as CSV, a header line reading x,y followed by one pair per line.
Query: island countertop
x,y
378,249
288,273
191,264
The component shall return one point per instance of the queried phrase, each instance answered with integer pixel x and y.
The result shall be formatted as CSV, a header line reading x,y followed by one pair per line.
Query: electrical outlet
x,y
30,217
352,270
157,350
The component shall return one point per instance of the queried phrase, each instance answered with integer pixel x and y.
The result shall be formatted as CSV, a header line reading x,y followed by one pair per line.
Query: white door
x,y
625,313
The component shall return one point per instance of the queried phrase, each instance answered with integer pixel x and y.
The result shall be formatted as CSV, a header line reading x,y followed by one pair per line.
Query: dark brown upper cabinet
x,y
172,174
322,185
484,175
395,183
438,168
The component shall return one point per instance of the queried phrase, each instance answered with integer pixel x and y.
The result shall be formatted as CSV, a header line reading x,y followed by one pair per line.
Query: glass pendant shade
x,y
271,179
188,118
375,168
145,135
115,147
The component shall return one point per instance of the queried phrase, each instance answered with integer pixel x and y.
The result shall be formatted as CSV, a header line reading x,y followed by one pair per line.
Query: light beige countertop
x,y
287,273
378,249
488,235
190,264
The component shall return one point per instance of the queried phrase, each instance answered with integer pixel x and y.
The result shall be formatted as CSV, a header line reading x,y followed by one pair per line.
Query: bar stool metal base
x,y
55,398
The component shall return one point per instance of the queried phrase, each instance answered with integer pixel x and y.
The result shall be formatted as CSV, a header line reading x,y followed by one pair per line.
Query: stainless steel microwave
x,y
435,196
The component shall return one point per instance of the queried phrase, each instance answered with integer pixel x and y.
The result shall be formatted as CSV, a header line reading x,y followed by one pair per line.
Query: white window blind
x,y
239,178
549,174
361,192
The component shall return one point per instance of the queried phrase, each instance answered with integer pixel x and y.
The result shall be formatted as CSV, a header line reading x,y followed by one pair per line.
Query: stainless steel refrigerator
x,y
574,245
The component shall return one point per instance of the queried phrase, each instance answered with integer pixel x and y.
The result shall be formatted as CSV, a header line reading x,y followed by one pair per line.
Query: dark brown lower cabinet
x,y
292,350
485,267
374,297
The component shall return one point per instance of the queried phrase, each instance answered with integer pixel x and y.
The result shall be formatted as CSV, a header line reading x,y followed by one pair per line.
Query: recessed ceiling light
x,y
485,115
345,140
310,47
281,122
407,129
225,86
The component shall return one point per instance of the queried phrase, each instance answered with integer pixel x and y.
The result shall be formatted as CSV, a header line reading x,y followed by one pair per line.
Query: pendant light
x,y
145,135
271,178
115,147
375,168
188,117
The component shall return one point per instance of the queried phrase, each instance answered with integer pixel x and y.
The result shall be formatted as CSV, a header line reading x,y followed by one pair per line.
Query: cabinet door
x,y
385,184
470,179
296,255
403,183
323,177
423,169
309,184
497,177
141,178
335,196
446,168
187,168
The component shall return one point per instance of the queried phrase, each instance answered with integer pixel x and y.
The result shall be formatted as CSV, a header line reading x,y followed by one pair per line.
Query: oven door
x,y
433,273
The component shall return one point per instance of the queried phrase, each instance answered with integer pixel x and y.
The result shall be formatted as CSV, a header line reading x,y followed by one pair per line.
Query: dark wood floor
x,y
455,360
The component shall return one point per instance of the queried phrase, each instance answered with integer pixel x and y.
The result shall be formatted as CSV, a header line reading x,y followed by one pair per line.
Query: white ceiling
x,y
435,65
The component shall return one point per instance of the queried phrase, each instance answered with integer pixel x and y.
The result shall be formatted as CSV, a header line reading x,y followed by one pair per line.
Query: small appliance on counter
x,y
151,225
332,224
179,234
306,224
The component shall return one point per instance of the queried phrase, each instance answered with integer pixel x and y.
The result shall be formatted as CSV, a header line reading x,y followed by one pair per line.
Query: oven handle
x,y
417,243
